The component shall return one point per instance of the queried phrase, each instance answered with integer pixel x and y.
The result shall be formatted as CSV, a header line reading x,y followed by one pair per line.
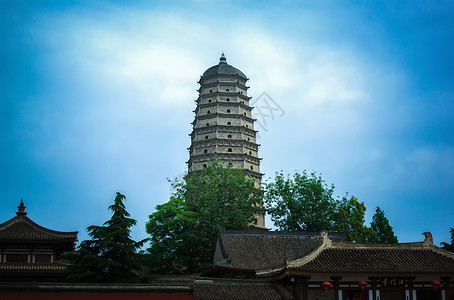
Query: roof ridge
x,y
327,243
47,230
34,226
440,251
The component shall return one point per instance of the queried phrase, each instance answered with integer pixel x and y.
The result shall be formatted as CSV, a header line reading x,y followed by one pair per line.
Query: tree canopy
x,y
446,246
349,217
303,202
183,231
306,202
111,254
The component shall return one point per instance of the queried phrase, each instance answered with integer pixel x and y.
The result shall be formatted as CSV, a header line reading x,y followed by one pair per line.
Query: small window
x,y
229,136
207,124
211,91
228,111
246,126
244,113
230,165
206,137
228,99
248,139
241,92
227,90
204,165
229,123
252,168
250,152
229,150
205,151
208,112
209,100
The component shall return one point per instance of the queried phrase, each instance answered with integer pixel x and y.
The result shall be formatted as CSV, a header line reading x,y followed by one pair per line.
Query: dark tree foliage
x,y
183,231
303,202
383,231
349,217
111,254
446,246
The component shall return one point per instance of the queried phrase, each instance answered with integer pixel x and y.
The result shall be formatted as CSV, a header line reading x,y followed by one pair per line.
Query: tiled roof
x,y
274,254
239,290
21,229
380,260
223,69
262,250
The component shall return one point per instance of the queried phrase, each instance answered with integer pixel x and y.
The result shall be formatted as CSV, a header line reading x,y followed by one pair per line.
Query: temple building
x,y
313,266
30,252
223,127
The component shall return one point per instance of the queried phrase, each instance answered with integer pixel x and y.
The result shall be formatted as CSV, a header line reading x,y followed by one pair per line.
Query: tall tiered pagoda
x,y
223,127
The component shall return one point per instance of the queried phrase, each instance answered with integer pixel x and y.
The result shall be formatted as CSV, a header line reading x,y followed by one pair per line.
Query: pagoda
x,y
223,127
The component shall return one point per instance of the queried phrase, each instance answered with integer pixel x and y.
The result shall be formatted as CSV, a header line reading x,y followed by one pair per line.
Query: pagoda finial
x,y
222,59
21,208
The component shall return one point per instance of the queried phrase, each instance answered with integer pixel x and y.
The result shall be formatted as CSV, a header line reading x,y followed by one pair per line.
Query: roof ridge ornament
x,y
21,208
222,59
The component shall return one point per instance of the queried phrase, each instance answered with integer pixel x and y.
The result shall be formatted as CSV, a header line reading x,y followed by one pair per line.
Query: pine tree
x,y
449,247
111,254
383,231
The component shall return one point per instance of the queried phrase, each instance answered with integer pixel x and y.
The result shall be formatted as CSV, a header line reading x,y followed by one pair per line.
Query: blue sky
x,y
97,97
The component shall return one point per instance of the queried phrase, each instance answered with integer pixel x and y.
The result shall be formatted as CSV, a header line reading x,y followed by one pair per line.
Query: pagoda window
x,y
229,123
228,111
206,137
204,165
230,165
229,150
250,152
227,90
209,100
229,136
205,151
228,99
247,126
244,113
207,124
211,91
252,168
208,112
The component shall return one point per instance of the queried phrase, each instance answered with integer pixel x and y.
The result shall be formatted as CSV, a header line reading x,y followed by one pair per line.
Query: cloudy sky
x,y
97,97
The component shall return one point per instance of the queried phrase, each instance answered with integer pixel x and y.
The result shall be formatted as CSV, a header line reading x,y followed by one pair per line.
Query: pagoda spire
x,y
222,59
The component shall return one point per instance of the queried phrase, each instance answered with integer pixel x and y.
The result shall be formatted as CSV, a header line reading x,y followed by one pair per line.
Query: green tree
x,y
303,202
174,238
111,254
183,231
449,247
349,218
383,231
